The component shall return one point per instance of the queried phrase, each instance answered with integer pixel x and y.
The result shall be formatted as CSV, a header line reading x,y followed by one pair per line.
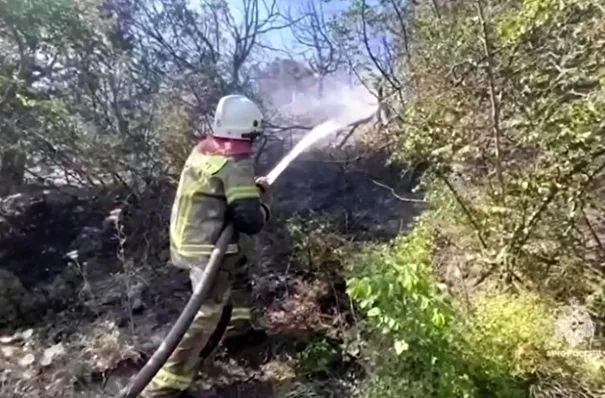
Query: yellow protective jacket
x,y
213,189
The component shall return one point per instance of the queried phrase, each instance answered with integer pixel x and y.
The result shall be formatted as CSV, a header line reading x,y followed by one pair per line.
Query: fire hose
x,y
153,365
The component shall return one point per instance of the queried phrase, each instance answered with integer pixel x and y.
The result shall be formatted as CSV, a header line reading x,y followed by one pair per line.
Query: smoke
x,y
301,103
293,95
338,101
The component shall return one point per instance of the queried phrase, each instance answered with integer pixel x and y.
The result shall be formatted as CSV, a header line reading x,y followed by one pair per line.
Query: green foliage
x,y
316,245
398,279
84,84
505,101
174,136
513,333
508,113
423,343
52,53
413,319
318,357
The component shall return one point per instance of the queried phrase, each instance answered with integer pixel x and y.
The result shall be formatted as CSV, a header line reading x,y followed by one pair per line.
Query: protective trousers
x,y
202,337
242,319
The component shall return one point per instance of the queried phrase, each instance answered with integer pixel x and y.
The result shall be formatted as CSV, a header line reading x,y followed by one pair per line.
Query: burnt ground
x,y
86,296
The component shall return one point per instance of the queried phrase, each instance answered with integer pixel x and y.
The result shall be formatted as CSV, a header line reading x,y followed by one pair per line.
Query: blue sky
x,y
283,39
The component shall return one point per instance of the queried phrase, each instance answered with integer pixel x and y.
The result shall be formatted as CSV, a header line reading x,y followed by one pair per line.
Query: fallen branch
x,y
484,276
392,190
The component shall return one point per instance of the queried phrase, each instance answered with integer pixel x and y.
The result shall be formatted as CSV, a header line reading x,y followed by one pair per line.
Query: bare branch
x,y
495,103
389,77
312,31
392,190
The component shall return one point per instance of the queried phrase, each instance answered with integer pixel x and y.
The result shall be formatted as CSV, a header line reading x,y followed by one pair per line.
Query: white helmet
x,y
237,118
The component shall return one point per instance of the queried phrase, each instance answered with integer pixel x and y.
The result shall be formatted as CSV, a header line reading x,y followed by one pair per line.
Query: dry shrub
x,y
175,136
300,310
107,347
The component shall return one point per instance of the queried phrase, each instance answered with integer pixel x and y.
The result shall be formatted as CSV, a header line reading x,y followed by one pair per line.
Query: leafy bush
x,y
424,343
172,125
411,320
514,332
316,245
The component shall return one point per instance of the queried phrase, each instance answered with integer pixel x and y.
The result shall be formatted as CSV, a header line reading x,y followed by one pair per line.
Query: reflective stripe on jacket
x,y
168,380
209,183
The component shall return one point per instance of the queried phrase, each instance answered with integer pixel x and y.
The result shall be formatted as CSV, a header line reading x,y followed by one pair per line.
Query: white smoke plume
x,y
299,103
339,101
339,106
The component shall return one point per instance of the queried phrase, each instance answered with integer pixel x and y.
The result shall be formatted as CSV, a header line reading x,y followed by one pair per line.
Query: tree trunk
x,y
12,171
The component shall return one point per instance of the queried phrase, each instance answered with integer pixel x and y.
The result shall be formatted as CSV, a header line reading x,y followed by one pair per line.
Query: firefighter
x,y
217,185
